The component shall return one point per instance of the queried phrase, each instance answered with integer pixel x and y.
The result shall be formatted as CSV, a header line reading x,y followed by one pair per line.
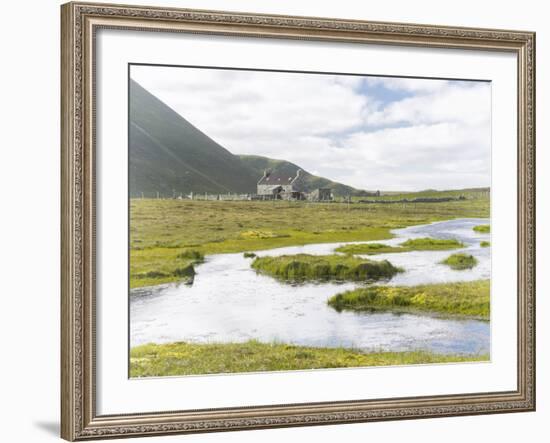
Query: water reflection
x,y
229,302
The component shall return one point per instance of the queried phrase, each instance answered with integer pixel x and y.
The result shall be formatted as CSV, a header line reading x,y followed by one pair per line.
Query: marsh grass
x,y
249,255
183,272
160,230
460,262
192,254
262,235
431,244
465,299
484,229
150,270
173,359
304,267
417,244
485,244
369,249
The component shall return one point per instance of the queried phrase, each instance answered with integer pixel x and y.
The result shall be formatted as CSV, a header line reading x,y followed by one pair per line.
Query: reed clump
x,y
305,267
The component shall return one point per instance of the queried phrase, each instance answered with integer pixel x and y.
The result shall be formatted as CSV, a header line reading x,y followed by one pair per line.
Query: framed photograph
x,y
277,221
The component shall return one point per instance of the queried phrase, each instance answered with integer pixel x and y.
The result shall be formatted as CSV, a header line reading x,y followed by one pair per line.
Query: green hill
x,y
168,153
309,181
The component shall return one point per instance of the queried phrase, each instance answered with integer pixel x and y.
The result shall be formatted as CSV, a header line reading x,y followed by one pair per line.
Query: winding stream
x,y
230,302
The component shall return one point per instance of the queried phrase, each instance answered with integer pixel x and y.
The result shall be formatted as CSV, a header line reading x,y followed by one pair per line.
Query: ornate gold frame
x,y
79,420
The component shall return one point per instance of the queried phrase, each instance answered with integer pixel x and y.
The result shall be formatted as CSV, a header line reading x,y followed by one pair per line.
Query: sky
x,y
373,133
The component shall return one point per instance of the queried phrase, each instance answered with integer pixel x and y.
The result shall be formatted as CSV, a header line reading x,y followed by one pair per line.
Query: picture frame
x,y
81,22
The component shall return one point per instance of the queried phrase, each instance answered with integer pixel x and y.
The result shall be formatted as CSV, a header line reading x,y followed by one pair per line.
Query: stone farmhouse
x,y
279,186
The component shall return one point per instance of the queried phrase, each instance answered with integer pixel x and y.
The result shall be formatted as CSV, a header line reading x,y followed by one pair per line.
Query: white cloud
x,y
408,84
467,104
440,155
434,135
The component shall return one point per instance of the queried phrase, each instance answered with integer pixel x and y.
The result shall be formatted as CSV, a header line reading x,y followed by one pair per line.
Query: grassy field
x,y
484,229
416,244
187,359
304,267
459,262
162,230
431,244
180,268
470,194
465,299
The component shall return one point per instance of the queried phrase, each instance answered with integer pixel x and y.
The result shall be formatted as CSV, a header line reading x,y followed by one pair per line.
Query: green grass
x,y
192,254
417,244
172,359
179,269
465,299
304,267
369,249
431,244
249,255
485,244
459,262
484,229
470,194
160,230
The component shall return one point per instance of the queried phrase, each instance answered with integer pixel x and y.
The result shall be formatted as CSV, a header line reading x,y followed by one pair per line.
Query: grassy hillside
x,y
310,182
168,153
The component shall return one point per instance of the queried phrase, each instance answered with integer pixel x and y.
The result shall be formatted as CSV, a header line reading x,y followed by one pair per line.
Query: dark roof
x,y
276,179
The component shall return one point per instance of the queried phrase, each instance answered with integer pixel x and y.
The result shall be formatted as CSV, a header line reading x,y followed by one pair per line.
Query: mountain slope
x,y
168,153
310,182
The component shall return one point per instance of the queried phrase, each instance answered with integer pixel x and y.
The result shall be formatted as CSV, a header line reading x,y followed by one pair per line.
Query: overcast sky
x,y
367,132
